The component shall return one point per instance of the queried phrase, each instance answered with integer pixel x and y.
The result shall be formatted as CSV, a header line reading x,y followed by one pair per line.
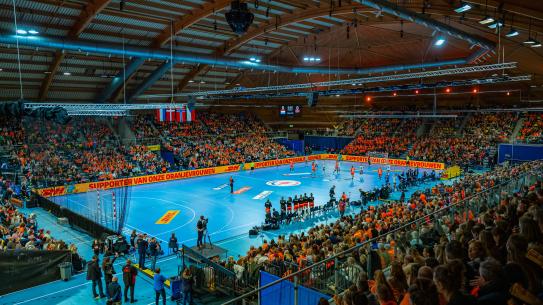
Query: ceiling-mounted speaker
x,y
239,17
312,99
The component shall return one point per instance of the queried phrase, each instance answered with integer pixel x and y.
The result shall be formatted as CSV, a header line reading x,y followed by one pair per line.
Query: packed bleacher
x,y
473,147
451,244
382,135
220,139
20,231
532,130
87,149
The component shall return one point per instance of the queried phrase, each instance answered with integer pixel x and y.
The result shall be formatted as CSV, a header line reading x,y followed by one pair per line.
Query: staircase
x,y
463,124
517,129
125,133
399,127
426,127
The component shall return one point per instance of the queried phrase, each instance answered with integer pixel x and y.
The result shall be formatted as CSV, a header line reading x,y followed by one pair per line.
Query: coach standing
x,y
94,274
129,279
142,251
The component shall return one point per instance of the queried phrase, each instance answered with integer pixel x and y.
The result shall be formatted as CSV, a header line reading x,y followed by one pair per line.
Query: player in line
x,y
314,169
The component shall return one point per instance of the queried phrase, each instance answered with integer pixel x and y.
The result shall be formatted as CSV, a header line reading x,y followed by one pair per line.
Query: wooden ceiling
x,y
342,33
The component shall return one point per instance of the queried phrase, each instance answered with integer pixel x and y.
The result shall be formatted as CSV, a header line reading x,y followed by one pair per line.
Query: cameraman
x,y
201,227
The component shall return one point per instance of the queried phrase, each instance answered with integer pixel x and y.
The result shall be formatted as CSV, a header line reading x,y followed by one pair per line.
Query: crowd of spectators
x,y
383,135
19,231
475,146
220,139
87,149
532,130
460,255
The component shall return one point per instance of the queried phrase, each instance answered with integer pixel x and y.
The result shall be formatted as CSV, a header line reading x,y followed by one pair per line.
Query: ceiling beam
x,y
187,20
236,42
86,16
178,25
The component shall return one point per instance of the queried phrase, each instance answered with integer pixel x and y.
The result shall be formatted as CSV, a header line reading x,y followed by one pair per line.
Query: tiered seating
x,y
19,231
481,134
427,261
532,130
220,139
382,135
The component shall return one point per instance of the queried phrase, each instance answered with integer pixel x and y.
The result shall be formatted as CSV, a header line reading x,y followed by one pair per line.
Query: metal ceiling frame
x,y
365,80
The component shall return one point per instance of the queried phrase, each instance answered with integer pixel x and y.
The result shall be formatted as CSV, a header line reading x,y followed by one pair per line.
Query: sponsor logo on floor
x,y
167,218
283,183
220,187
242,190
262,195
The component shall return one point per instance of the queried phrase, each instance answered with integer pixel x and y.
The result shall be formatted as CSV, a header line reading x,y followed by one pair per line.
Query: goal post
x,y
381,155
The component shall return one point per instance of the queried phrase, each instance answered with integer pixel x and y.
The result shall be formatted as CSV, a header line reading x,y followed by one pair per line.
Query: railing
x,y
333,275
210,275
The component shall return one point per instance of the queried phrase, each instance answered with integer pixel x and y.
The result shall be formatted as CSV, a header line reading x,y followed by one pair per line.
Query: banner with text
x,y
101,185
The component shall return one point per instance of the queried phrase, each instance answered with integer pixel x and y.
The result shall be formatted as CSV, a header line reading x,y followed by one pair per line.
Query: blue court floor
x,y
230,217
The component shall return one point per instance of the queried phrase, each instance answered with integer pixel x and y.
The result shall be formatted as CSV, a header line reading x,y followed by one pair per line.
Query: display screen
x,y
290,110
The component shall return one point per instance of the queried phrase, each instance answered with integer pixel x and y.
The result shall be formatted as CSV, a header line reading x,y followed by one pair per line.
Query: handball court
x,y
162,208
159,209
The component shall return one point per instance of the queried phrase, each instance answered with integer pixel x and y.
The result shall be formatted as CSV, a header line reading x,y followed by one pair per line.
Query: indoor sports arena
x,y
271,152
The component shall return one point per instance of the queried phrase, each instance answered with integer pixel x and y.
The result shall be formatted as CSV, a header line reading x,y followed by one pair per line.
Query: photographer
x,y
201,227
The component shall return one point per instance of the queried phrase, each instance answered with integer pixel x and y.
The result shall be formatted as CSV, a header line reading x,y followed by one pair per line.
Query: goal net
x,y
380,155
108,208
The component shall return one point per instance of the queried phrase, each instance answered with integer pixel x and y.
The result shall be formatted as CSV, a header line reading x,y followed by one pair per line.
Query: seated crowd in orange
x,y
532,130
423,264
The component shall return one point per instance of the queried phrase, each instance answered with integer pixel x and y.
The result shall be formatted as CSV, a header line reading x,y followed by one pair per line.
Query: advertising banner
x,y
101,185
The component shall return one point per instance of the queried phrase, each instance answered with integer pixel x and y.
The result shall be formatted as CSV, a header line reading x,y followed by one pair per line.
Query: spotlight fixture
x,y
368,98
1,69
537,44
337,95
394,94
202,82
486,20
312,59
464,7
33,32
530,41
191,81
512,32
254,59
448,90
475,90
439,42
417,91
67,73
508,93
21,32
496,25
